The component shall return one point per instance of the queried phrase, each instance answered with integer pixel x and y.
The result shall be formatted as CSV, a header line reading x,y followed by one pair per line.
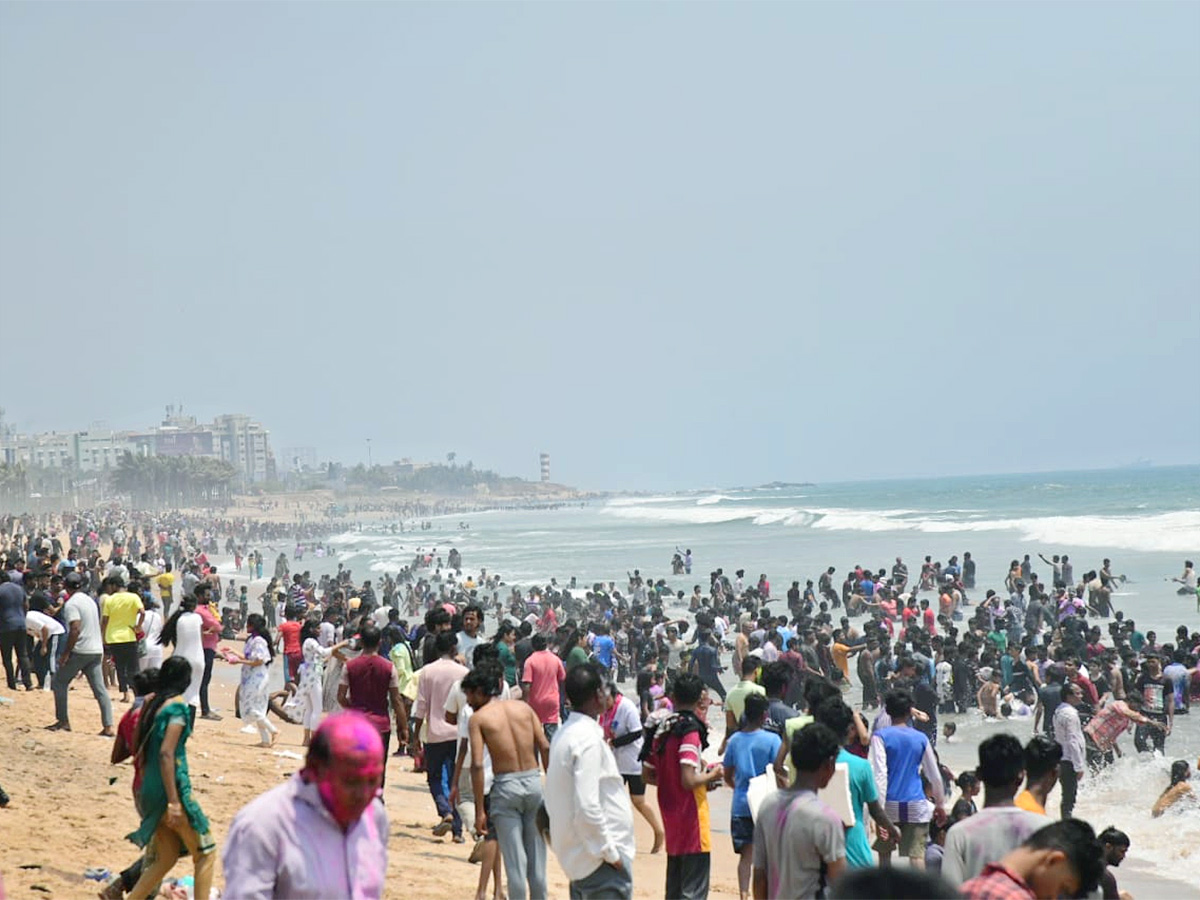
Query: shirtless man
x,y
988,696
513,736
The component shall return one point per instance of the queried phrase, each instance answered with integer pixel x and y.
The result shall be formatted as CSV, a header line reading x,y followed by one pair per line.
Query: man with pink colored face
x,y
322,833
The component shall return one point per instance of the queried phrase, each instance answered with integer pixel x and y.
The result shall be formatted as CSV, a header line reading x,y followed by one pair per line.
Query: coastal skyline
x,y
671,246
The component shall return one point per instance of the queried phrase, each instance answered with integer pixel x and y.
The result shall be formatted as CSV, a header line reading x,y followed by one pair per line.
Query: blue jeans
x,y
514,800
91,665
46,663
439,769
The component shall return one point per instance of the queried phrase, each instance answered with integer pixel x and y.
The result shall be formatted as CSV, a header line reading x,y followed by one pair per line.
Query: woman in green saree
x,y
172,820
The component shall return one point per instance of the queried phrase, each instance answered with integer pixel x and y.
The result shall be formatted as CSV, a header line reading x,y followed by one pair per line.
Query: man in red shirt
x,y
540,681
1061,860
1074,676
673,763
368,683
289,638
210,635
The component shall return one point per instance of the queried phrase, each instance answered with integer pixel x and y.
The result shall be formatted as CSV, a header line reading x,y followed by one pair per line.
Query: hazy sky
x,y
674,245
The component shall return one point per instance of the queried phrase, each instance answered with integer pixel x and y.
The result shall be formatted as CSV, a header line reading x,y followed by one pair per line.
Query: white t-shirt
x,y
626,720
466,648
326,634
35,621
152,624
82,609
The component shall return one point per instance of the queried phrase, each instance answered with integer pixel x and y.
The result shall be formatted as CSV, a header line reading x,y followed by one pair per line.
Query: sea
x,y
1145,519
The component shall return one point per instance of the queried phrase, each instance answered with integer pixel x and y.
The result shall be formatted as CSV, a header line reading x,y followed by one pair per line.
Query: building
x,y
244,443
96,451
234,438
545,460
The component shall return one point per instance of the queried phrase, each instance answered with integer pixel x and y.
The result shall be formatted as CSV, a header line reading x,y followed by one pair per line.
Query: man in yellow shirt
x,y
842,652
735,700
166,589
1042,756
121,614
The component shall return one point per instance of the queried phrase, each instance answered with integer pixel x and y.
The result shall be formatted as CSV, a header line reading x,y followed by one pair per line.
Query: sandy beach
x,y
76,816
55,829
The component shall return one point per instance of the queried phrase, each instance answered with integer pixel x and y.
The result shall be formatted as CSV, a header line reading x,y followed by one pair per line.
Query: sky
x,y
672,245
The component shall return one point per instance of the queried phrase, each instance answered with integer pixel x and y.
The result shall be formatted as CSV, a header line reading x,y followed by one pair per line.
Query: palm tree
x,y
450,457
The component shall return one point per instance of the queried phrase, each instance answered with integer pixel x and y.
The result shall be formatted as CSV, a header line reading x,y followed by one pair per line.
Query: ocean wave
x,y
1123,794
1173,532
637,501
713,499
686,515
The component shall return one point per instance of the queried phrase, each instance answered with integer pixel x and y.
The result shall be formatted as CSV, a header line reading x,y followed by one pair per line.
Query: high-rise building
x,y
545,460
234,438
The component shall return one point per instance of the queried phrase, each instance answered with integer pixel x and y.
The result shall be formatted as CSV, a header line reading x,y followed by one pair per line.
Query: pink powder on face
x,y
356,752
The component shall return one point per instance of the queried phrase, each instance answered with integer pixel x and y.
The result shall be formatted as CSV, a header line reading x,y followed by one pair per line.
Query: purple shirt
x,y
286,844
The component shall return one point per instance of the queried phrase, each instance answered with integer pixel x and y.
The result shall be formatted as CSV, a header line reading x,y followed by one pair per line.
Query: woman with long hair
x,y
312,676
1177,790
505,640
253,693
182,632
573,653
171,817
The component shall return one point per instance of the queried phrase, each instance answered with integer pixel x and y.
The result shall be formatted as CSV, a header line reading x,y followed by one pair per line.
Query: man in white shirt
x,y
82,651
591,819
46,632
1068,731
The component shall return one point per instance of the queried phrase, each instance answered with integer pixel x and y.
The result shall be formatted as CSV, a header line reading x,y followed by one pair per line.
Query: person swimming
x,y
1178,789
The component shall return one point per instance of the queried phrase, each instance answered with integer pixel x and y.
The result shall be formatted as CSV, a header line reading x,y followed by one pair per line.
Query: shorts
x,y
741,829
637,787
913,838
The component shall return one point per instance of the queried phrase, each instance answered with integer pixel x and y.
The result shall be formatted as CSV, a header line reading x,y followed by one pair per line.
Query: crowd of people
x,y
546,734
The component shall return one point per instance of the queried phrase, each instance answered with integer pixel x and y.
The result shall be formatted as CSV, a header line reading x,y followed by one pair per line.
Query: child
x,y
968,783
948,732
935,847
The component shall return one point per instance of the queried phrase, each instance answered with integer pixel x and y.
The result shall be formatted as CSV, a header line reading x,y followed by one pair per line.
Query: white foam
x,y
712,499
688,515
1123,794
638,501
1173,532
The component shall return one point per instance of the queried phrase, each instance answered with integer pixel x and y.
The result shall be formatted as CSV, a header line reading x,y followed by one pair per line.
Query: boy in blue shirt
x,y
749,753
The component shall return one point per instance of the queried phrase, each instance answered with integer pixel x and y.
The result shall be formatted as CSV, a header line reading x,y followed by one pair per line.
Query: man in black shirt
x,y
1158,703
1049,698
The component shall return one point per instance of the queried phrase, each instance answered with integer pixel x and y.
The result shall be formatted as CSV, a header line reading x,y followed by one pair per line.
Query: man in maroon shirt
x,y
368,683
1090,698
